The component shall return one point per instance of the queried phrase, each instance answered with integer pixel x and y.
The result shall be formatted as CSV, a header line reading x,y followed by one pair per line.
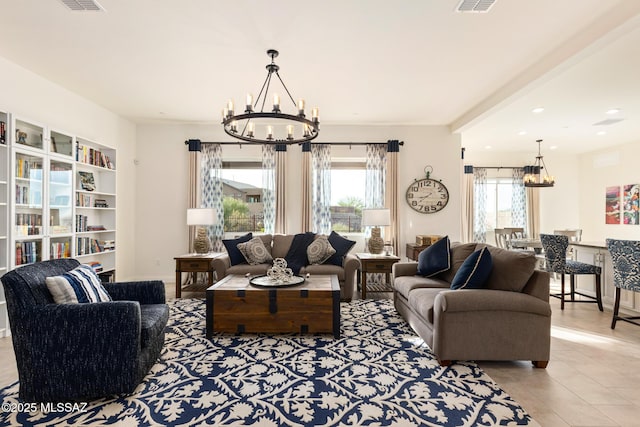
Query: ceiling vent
x,y
83,5
608,122
474,6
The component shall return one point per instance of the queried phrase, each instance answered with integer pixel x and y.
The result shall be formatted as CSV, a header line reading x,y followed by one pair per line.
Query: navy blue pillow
x,y
342,247
235,256
435,259
297,255
474,271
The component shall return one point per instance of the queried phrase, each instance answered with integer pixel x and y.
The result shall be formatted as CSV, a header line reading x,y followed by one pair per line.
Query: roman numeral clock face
x,y
427,196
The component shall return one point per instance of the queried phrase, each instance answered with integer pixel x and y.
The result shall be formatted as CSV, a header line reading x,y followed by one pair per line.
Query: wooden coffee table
x,y
236,306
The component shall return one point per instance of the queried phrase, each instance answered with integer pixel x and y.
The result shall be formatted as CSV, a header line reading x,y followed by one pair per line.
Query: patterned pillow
x,y
80,285
254,251
320,250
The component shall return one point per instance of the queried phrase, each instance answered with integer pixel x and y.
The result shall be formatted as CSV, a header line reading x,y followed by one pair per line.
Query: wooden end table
x,y
194,263
236,306
375,263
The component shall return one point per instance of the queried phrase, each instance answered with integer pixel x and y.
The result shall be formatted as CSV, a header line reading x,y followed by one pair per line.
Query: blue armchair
x,y
74,352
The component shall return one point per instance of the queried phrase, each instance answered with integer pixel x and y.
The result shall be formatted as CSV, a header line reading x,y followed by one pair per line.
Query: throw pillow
x,y
342,247
254,251
80,285
297,255
512,269
435,259
320,250
235,256
474,271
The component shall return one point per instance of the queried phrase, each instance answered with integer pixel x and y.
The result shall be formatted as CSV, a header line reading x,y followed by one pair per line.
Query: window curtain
x,y
393,148
211,190
518,198
469,205
480,205
269,187
533,212
321,188
193,190
306,199
374,192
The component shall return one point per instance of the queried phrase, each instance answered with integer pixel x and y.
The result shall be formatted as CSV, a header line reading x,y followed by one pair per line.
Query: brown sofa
x,y
279,245
509,320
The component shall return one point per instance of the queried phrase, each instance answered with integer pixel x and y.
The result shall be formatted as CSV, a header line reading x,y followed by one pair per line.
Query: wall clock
x,y
427,195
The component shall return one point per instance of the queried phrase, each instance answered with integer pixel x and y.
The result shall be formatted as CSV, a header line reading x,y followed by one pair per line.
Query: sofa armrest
x,y
350,264
538,285
404,269
220,265
452,301
145,292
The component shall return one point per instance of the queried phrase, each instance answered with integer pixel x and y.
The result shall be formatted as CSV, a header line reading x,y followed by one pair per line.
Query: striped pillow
x,y
80,285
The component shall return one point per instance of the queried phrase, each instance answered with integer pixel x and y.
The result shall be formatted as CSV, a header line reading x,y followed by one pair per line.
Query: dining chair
x,y
555,252
515,232
502,238
625,257
574,235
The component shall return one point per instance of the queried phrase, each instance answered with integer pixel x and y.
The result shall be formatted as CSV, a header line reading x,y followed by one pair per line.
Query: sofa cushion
x,y
254,251
80,285
317,269
267,239
281,245
235,256
422,300
320,250
405,284
435,259
474,271
511,269
153,319
342,247
459,253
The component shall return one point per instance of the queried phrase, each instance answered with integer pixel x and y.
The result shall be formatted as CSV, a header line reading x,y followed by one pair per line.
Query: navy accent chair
x,y
625,256
78,352
555,252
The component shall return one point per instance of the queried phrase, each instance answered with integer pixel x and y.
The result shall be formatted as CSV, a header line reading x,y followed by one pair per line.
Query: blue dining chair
x,y
625,256
555,252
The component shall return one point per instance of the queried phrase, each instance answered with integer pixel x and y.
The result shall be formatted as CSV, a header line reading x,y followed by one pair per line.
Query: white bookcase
x,y
4,215
95,204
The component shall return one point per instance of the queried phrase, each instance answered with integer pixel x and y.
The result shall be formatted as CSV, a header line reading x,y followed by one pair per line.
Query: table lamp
x,y
376,218
202,216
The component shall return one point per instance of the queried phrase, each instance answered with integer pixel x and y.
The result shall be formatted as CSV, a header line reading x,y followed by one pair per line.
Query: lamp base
x,y
201,243
375,241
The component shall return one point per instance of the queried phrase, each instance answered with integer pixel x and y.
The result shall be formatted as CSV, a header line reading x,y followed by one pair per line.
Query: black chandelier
x,y
534,176
274,124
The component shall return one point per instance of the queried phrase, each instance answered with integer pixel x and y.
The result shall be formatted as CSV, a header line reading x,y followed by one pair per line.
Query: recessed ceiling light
x,y
487,147
553,147
538,110
522,132
613,111
601,133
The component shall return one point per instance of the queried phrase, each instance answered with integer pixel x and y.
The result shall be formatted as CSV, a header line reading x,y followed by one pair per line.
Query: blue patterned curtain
x,y
211,185
518,200
480,205
375,175
269,187
321,188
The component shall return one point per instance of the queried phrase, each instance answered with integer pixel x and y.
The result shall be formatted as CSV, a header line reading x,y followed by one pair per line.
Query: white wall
x,y
615,166
162,185
29,96
559,205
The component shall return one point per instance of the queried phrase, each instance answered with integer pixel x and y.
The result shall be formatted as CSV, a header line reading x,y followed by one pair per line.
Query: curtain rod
x,y
497,167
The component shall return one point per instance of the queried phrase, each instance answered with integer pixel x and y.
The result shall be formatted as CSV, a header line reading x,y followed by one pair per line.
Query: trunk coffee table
x,y
236,306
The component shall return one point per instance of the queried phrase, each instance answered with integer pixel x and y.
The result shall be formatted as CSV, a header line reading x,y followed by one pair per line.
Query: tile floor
x,y
593,378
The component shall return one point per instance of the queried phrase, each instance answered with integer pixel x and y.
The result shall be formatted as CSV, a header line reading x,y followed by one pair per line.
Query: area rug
x,y
378,373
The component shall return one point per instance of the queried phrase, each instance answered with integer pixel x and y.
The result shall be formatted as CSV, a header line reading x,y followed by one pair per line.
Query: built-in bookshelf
x,y
5,180
95,205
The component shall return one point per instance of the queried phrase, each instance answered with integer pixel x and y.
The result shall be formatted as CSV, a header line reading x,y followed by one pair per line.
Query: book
x,y
86,181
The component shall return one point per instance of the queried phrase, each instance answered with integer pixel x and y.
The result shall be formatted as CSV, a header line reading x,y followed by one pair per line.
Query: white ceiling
x,y
369,62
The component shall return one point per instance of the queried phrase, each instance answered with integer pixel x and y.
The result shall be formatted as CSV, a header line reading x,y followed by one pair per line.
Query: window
x,y
347,195
500,206
242,202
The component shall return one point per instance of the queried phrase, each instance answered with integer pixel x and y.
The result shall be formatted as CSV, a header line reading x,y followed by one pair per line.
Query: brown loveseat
x,y
278,245
509,320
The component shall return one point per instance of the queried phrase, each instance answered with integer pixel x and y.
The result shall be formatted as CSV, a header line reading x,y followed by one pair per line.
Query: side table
x,y
194,263
413,250
374,263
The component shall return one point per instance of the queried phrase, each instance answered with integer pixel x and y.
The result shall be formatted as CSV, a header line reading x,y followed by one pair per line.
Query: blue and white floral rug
x,y
378,373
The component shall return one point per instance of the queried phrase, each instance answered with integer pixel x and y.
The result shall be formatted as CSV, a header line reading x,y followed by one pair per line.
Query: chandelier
x,y
270,127
534,176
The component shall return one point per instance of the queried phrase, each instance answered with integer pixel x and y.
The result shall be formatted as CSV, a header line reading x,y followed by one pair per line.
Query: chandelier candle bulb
x,y
290,132
249,103
269,133
276,102
251,129
301,107
314,114
230,107
225,113
234,127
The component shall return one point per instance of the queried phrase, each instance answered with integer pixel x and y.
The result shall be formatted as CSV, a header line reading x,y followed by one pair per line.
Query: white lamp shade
x,y
376,217
202,216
